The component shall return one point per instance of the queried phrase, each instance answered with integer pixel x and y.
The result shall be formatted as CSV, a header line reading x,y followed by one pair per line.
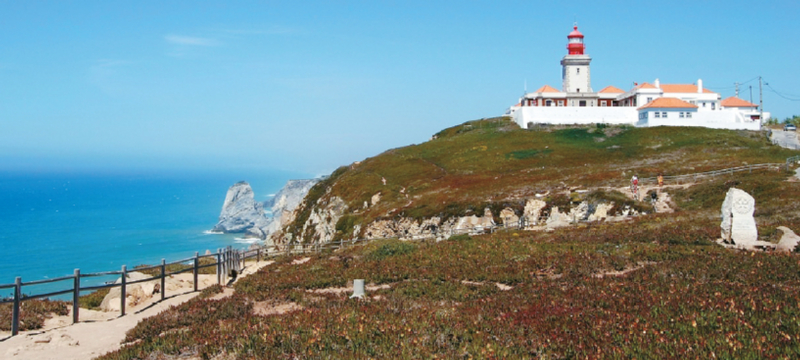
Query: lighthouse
x,y
575,73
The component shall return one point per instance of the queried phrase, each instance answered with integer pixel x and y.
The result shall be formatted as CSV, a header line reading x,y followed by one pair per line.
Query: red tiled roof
x,y
611,89
645,86
682,88
547,88
736,102
667,102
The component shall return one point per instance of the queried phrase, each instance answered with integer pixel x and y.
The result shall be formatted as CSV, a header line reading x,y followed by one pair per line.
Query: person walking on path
x,y
635,187
660,180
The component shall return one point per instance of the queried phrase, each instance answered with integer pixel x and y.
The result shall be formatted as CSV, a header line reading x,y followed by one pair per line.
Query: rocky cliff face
x,y
240,211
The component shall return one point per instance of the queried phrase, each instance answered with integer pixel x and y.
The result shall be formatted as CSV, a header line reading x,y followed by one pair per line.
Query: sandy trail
x,y
99,332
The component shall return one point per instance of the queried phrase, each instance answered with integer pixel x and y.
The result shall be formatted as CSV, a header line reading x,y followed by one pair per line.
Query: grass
x,y
679,296
491,162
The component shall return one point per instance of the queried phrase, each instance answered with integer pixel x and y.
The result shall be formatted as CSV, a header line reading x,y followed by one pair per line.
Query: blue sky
x,y
308,86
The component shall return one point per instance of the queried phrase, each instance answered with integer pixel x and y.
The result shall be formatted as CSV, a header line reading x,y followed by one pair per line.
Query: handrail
x,y
225,260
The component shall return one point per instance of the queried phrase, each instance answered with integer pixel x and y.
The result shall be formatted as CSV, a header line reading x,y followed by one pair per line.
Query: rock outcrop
x,y
240,211
788,240
282,207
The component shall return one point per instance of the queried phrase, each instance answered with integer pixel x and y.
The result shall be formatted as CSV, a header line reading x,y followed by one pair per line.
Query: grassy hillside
x,y
492,163
653,287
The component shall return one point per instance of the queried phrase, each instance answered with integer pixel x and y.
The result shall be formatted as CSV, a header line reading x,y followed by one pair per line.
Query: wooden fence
x,y
225,260
677,179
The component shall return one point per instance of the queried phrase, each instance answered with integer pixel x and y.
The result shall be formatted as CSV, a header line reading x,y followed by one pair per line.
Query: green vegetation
x,y
93,300
32,313
487,163
653,287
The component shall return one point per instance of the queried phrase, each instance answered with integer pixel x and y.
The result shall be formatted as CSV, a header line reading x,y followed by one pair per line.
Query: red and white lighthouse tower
x,y
575,45
575,65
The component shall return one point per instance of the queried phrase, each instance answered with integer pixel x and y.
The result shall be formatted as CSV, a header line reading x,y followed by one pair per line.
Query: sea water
x,y
53,223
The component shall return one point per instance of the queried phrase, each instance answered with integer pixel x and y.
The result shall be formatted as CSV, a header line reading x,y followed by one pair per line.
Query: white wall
x,y
575,115
722,119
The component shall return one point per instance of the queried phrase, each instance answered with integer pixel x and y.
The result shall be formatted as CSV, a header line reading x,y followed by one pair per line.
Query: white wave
x,y
212,232
246,240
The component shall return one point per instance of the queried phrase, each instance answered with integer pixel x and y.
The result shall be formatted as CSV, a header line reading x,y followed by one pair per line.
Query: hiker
x,y
660,179
635,187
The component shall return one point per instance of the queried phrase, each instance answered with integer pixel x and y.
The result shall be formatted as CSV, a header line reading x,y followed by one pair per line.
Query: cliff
x,y
490,172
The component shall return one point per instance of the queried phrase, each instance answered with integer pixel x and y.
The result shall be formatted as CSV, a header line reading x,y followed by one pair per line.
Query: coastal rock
x,y
240,211
738,225
556,219
509,217
600,211
134,294
533,211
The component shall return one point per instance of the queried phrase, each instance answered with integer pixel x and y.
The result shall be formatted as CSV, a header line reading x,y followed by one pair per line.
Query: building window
x,y
560,102
680,115
664,114
649,99
713,106
582,103
577,90
688,115
578,70
603,103
704,104
657,115
548,103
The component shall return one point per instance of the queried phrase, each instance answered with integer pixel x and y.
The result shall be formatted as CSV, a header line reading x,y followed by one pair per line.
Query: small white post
x,y
358,289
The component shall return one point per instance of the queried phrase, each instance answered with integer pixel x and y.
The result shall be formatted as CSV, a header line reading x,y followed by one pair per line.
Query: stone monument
x,y
738,225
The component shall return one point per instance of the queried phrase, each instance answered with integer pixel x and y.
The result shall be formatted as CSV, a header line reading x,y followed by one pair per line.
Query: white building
x,y
673,104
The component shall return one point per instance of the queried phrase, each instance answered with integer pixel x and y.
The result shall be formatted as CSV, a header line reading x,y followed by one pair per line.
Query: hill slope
x,y
656,286
494,164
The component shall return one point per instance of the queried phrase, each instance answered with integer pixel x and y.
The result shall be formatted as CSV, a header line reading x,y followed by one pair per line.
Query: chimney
x,y
657,84
700,86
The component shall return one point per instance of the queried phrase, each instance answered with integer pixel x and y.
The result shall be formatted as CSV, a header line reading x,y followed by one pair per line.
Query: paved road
x,y
787,139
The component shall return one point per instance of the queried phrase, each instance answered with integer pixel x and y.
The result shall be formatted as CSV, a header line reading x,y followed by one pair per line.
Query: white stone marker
x,y
738,225
358,289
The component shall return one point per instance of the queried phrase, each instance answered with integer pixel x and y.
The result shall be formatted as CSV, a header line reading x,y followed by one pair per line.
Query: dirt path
x,y
98,332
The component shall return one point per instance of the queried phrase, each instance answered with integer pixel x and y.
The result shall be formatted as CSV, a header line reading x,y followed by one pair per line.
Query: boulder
x,y
788,240
533,210
509,217
134,294
557,219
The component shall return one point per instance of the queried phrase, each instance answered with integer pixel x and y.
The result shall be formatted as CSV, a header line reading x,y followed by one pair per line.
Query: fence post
x,y
196,268
17,300
219,266
163,278
123,291
76,294
258,255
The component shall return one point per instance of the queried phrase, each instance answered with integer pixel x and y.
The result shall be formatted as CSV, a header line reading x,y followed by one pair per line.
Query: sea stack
x,y
240,211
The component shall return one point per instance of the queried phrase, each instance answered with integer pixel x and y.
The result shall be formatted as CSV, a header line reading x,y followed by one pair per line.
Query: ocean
x,y
53,223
